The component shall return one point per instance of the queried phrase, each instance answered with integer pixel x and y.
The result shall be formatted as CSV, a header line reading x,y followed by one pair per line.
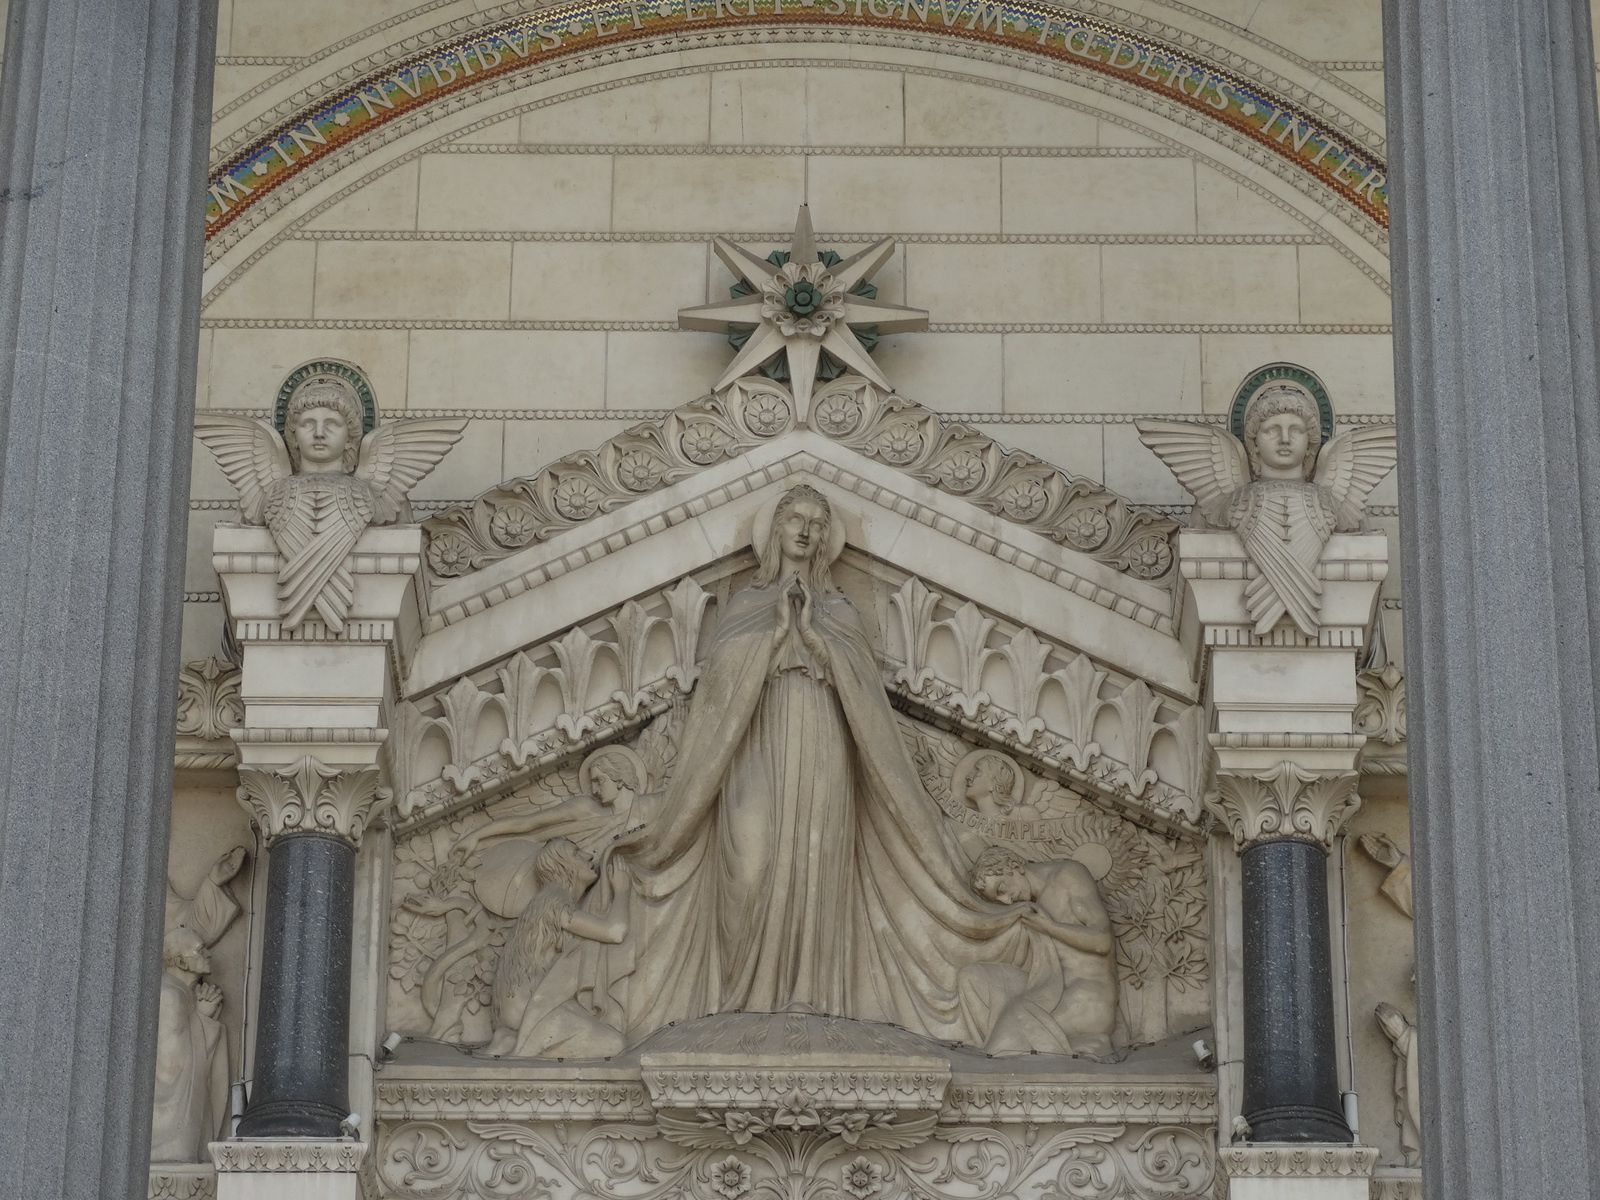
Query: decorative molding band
x,y
301,1157
311,797
1396,1183
965,1102
1336,152
1284,803
202,597
1131,1103
974,417
761,149
513,325
1298,1162
943,454
173,1181
937,239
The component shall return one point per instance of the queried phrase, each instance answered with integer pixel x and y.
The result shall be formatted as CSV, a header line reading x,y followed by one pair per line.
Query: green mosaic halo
x,y
1272,373
337,367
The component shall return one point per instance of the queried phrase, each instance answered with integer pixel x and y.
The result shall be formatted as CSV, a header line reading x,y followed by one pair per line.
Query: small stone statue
x,y
313,492
1397,883
191,1093
1265,491
536,1014
1066,1001
1402,1035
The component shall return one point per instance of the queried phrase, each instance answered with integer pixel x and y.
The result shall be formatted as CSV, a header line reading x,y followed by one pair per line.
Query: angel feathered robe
x,y
796,860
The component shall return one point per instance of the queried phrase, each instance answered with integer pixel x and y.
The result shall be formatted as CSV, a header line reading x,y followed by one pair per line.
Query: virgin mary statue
x,y
795,861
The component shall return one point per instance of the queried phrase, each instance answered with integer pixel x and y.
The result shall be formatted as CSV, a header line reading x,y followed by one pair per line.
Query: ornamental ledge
x,y
301,1157
182,1181
1298,1162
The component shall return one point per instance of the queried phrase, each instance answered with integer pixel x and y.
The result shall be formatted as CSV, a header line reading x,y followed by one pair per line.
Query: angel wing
x,y
398,456
1354,463
251,455
658,746
1210,462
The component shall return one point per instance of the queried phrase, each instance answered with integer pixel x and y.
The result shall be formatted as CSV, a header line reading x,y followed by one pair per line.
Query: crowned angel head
x,y
322,426
1282,432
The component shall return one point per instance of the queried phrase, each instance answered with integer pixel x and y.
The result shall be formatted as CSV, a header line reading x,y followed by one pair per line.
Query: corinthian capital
x,y
1285,801
311,797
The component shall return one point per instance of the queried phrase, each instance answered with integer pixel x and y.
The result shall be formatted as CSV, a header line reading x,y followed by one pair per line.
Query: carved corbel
x,y
1285,802
311,797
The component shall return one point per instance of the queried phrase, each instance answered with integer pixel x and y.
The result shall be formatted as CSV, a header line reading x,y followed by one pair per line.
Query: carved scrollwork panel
x,y
491,1160
208,699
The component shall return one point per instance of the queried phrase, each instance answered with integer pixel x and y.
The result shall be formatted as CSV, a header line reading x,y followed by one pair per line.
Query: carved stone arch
x,y
1241,154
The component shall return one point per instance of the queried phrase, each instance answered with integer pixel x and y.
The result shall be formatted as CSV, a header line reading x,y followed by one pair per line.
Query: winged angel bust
x,y
320,485
1281,490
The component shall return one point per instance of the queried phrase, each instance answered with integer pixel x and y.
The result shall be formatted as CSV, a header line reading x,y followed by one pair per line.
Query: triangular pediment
x,y
984,627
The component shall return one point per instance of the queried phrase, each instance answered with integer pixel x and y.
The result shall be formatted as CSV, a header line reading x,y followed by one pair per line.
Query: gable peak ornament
x,y
803,308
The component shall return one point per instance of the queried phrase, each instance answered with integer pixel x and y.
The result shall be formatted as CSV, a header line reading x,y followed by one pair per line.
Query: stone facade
x,y
507,252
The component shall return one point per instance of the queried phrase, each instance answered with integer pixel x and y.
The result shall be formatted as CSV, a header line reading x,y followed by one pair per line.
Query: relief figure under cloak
x,y
794,861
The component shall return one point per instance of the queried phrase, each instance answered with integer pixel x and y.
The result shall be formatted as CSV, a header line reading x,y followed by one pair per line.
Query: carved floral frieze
x,y
947,455
168,1182
802,1160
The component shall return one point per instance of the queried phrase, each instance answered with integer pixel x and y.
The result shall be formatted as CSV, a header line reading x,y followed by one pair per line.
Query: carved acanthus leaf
x,y
309,796
1381,711
208,699
1285,801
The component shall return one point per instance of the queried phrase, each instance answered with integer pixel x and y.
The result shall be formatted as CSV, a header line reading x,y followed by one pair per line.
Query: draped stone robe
x,y
796,860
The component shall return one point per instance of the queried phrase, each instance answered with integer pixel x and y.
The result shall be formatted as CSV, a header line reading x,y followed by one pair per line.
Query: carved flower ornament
x,y
730,1177
862,1178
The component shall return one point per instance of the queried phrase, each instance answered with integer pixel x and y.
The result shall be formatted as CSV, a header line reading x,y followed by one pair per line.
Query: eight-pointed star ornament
x,y
803,308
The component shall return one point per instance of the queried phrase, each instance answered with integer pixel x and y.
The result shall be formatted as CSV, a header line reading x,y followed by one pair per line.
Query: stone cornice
x,y
1284,802
308,796
301,1157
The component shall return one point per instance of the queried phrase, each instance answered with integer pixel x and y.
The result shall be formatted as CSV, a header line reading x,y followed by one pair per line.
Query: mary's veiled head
x,y
797,534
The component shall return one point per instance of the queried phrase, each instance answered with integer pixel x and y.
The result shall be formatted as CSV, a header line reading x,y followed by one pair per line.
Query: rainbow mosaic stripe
x,y
562,32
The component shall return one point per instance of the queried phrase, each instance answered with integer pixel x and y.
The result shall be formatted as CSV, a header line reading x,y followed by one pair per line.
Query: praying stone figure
x,y
1264,489
794,861
191,1095
1066,1001
536,1011
1402,1035
320,485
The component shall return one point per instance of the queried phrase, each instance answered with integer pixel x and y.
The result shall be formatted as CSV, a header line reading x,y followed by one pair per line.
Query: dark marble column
x,y
1495,169
104,120
1291,1076
301,1044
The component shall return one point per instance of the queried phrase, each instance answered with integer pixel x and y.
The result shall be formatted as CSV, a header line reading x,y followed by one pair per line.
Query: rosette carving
x,y
1285,801
650,456
311,797
960,461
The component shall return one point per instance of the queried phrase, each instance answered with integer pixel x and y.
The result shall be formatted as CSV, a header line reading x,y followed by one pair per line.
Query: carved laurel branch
x,y
311,797
947,455
489,1160
1285,801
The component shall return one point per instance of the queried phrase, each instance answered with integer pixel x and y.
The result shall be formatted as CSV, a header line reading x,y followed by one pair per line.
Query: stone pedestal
x,y
309,773
1286,752
105,113
288,1169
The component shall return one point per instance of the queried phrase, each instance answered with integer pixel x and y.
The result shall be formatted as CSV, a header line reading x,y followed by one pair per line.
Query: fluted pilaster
x,y
104,116
1495,150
